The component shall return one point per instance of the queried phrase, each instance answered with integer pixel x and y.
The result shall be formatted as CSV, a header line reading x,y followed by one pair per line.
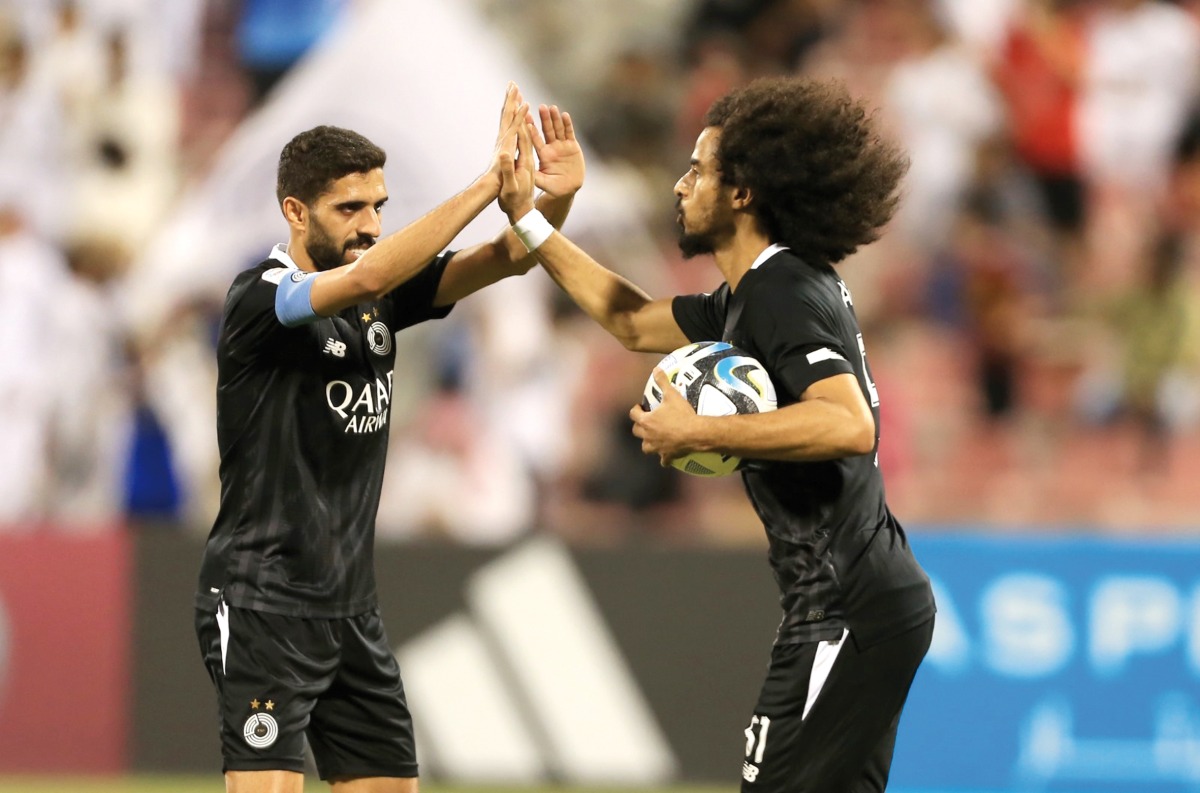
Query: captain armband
x,y
293,304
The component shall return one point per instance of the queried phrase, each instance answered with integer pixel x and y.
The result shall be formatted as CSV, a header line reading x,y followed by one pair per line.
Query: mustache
x,y
362,241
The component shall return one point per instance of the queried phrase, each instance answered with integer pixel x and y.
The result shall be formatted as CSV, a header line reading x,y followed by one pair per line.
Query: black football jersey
x,y
840,558
302,426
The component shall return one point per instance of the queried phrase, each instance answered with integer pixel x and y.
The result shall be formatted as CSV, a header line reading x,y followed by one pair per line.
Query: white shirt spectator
x,y
1140,81
65,418
943,106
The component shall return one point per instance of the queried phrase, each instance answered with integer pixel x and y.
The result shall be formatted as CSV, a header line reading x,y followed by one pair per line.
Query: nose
x,y
679,187
374,223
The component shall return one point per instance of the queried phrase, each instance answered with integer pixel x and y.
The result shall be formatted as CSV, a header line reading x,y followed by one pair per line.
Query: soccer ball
x,y
717,379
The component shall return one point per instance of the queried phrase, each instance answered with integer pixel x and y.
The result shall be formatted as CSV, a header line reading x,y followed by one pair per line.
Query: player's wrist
x,y
489,182
531,227
703,435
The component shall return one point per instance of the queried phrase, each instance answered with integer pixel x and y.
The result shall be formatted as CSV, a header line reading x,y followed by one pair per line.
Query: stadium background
x,y
1033,317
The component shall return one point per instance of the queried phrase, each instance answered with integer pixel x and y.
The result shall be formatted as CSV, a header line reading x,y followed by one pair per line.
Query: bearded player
x,y
787,178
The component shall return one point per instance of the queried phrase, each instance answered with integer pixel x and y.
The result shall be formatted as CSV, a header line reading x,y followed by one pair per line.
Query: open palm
x,y
560,159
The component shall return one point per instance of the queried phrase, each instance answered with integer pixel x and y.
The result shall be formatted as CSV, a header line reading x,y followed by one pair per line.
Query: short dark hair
x,y
315,158
823,181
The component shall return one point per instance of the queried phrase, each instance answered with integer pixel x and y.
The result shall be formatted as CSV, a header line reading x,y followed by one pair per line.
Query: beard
x,y
695,244
692,243
326,253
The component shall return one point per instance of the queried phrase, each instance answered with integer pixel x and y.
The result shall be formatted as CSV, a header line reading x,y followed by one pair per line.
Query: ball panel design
x,y
717,379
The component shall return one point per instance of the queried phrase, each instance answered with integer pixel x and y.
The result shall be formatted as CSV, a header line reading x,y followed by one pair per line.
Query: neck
x,y
299,255
734,258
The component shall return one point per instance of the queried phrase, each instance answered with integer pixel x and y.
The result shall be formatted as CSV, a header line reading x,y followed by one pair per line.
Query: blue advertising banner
x,y
1057,665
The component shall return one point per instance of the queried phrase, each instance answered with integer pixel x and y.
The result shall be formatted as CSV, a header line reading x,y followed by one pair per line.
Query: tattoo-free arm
x,y
399,256
620,307
831,420
473,268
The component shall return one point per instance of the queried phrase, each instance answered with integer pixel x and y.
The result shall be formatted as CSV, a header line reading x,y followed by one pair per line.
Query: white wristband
x,y
533,229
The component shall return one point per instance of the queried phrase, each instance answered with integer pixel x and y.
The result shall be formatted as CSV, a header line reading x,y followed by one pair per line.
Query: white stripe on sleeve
x,y
824,354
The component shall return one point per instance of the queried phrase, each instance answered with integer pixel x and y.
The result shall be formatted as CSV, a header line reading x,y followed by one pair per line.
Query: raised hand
x,y
517,176
513,118
560,159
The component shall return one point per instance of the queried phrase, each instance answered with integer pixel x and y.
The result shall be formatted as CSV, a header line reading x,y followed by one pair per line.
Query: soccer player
x,y
286,606
787,178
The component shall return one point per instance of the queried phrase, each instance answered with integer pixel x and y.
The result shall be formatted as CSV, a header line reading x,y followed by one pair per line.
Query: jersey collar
x,y
279,253
770,251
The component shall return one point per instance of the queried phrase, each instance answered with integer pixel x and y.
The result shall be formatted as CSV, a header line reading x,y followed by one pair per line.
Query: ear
x,y
742,197
295,212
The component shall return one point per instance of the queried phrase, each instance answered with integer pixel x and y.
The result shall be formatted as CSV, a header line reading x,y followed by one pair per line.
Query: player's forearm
x,y
399,256
504,255
511,255
807,431
609,299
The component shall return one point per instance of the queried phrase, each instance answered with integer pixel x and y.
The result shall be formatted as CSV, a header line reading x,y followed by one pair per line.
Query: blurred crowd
x,y
1032,314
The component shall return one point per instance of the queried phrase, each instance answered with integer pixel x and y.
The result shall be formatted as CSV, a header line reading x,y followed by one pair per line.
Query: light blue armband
x,y
293,304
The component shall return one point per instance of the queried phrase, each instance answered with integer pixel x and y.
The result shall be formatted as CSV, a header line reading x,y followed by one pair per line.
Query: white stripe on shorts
x,y
827,653
223,626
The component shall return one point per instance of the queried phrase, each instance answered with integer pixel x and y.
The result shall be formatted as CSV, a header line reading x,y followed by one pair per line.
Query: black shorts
x,y
281,679
827,716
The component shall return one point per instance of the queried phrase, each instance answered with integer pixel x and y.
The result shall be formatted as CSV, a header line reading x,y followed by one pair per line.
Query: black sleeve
x,y
412,301
702,317
251,327
797,331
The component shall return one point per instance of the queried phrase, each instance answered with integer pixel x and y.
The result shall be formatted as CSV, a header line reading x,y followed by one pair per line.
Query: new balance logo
x,y
335,347
749,772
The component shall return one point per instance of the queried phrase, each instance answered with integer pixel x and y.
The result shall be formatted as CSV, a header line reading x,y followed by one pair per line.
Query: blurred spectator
x,y
991,278
1142,64
1143,59
73,58
1039,69
1183,198
943,107
32,142
1157,329
980,24
126,138
65,422
455,477
176,390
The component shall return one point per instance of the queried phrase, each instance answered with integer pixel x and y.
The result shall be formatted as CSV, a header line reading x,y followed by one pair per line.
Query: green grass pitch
x,y
214,784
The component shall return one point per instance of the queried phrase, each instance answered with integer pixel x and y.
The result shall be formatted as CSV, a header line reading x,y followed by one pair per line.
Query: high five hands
x,y
513,116
559,169
560,160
